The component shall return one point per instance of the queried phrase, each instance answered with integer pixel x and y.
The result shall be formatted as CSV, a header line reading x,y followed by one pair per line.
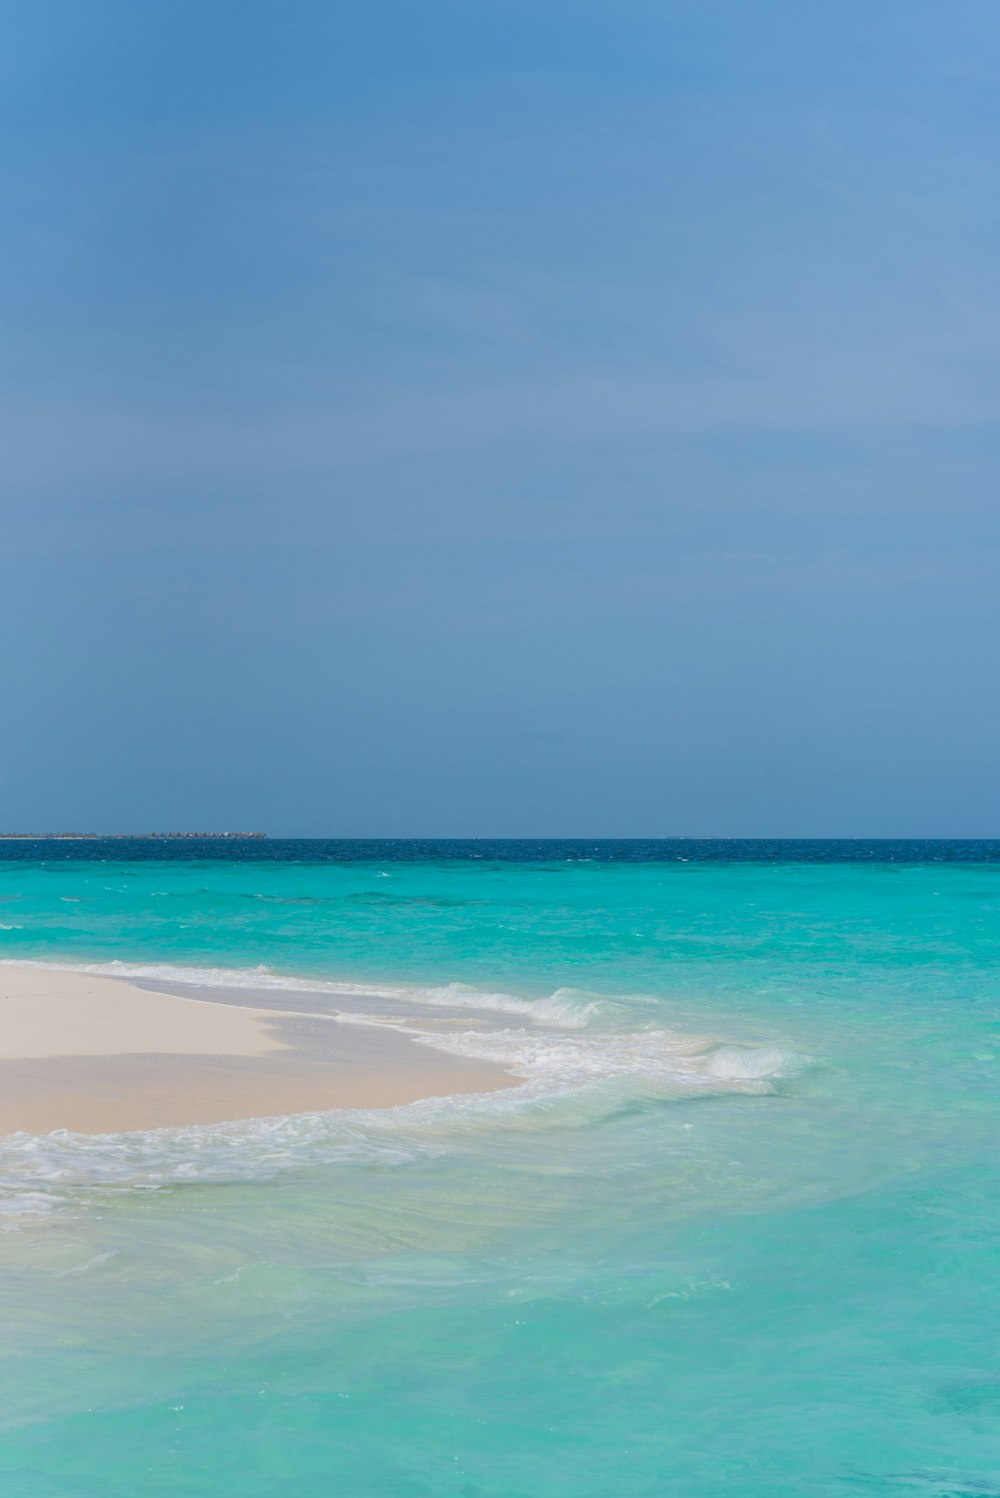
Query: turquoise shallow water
x,y
738,1231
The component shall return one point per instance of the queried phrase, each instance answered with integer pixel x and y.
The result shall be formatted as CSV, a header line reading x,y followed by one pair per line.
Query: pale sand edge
x,y
46,1012
97,1055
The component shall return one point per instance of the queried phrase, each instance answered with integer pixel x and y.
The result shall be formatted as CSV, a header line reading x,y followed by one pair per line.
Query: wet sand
x,y
99,1055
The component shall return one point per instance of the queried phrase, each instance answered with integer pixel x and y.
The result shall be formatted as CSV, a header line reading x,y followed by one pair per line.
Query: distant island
x,y
107,837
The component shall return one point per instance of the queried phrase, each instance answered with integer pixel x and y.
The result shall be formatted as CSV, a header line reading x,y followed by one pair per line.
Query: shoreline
x,y
100,1055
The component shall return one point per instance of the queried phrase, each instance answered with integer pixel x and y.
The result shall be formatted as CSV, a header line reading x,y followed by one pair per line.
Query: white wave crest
x,y
42,1174
678,1063
566,1006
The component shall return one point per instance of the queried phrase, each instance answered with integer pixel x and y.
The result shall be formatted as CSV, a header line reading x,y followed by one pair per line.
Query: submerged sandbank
x,y
98,1055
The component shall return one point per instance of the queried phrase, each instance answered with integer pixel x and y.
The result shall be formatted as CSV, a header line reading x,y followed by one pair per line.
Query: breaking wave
x,y
566,1006
678,1064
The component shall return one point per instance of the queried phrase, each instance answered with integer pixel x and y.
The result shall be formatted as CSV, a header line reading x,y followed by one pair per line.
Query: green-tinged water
x,y
738,1232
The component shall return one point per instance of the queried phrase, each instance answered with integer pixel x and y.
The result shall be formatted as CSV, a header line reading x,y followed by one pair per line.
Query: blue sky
x,y
501,418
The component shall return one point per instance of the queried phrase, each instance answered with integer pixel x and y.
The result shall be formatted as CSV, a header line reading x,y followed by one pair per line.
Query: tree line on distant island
x,y
54,837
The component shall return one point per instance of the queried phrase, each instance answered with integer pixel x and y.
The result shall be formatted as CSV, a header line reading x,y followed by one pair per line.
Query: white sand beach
x,y
100,1055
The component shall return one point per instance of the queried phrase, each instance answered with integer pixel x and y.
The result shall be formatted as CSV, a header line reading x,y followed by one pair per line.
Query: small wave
x,y
566,1006
751,1064
46,1174
384,897
64,1172
680,1064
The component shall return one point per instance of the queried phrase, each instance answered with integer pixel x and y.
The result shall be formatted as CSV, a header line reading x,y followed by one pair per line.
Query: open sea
x,y
736,1232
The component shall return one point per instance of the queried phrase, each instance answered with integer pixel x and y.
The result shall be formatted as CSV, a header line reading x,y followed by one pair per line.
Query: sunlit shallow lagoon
x,y
737,1231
